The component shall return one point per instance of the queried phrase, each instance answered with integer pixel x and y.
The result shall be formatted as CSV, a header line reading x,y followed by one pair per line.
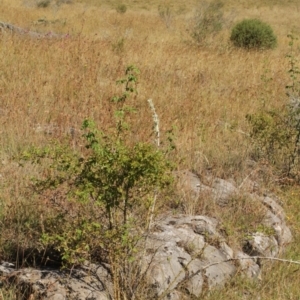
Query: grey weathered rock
x,y
260,244
222,191
191,188
195,282
275,218
206,226
181,256
189,185
248,266
274,207
92,282
182,253
283,233
229,253
217,274
33,34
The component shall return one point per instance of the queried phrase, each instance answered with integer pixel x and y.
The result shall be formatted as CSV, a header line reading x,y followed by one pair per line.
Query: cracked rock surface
x,y
183,255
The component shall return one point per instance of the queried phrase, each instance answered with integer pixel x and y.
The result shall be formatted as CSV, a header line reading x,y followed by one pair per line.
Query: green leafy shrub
x,y
253,33
119,45
121,8
43,3
208,20
273,132
102,196
293,88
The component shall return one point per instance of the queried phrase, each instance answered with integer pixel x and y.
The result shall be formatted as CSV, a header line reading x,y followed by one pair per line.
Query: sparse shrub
x,y
276,139
121,8
60,2
293,89
119,45
208,20
276,132
273,132
253,33
241,217
165,13
43,3
109,186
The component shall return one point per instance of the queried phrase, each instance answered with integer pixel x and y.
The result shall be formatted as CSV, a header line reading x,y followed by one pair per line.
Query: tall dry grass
x,y
204,92
48,86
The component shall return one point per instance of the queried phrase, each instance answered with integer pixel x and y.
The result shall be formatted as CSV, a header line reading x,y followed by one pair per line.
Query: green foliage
x,y
208,20
241,217
253,34
113,173
130,82
276,133
119,45
121,8
75,241
273,134
106,190
293,89
43,3
116,175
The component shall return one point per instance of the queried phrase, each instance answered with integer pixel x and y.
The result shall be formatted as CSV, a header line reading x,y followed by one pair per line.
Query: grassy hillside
x,y
202,92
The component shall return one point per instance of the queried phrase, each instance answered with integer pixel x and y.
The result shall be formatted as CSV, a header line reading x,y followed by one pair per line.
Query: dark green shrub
x,y
101,197
121,8
253,33
43,3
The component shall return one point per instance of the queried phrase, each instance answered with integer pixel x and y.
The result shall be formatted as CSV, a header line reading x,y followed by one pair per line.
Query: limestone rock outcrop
x,y
182,254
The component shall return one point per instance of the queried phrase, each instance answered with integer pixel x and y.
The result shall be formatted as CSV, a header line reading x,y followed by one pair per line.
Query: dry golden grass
x,y
204,92
48,86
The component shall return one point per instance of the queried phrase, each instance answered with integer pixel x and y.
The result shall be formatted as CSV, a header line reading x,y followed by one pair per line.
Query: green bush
x,y
253,34
43,3
121,8
275,132
102,196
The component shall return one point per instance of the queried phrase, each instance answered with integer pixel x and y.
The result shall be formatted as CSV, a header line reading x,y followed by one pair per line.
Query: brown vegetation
x,y
49,86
